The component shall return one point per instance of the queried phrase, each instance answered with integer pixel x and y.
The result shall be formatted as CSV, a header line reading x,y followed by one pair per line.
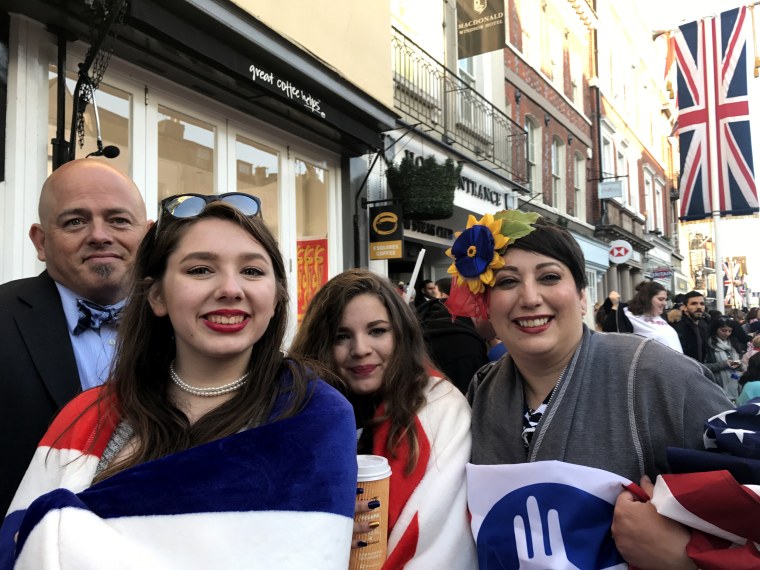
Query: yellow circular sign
x,y
383,221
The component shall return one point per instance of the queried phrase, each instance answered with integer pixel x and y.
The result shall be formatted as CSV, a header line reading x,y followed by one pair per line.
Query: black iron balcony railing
x,y
431,94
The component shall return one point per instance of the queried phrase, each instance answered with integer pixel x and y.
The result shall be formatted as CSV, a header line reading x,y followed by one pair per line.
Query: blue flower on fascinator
x,y
477,253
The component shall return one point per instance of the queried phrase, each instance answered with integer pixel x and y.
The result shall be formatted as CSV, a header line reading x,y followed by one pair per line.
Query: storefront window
x,y
258,173
311,231
185,154
114,110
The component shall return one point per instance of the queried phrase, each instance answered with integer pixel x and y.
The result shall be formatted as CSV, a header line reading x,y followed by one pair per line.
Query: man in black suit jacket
x,y
693,328
92,219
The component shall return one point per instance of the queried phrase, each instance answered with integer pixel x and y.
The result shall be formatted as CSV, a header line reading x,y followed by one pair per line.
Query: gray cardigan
x,y
622,401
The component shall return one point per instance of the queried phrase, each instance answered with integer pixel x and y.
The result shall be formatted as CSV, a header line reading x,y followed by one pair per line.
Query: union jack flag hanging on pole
x,y
713,119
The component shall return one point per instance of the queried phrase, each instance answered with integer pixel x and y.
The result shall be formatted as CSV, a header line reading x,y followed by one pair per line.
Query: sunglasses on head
x,y
191,205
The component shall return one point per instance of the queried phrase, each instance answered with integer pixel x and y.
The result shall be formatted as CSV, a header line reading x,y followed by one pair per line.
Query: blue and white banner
x,y
543,516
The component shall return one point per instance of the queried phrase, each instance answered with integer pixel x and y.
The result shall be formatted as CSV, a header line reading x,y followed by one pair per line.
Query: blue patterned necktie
x,y
93,316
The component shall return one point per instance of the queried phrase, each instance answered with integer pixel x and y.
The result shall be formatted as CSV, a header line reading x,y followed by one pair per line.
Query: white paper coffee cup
x,y
374,479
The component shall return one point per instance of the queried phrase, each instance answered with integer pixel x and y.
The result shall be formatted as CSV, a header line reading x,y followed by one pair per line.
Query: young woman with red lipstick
x,y
202,430
565,393
364,332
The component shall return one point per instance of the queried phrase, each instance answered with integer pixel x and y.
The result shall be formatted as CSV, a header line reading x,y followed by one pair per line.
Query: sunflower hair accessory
x,y
477,252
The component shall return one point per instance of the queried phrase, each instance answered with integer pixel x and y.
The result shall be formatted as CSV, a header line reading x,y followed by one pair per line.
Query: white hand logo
x,y
557,560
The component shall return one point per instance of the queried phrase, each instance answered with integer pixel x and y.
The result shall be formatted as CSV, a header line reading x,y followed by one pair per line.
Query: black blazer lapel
x,y
42,323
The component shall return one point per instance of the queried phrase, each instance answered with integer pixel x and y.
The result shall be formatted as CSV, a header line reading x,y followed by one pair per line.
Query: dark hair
x,y
554,241
641,302
139,378
752,314
720,322
714,314
691,295
444,285
753,371
406,375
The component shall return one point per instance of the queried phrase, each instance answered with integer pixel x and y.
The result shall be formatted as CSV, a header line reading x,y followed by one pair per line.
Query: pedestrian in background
x,y
642,315
724,354
693,328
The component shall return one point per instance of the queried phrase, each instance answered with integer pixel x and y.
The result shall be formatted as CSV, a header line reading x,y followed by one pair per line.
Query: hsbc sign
x,y
620,251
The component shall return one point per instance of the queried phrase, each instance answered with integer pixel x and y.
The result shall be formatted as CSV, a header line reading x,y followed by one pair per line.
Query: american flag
x,y
717,492
713,118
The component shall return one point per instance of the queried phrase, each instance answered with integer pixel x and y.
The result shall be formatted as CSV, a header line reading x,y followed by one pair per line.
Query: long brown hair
x,y
406,376
641,303
139,378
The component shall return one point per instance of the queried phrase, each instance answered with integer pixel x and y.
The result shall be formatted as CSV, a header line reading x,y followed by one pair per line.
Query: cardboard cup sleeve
x,y
374,478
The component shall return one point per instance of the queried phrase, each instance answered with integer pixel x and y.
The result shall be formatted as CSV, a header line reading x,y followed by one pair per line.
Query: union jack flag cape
x,y
713,119
280,495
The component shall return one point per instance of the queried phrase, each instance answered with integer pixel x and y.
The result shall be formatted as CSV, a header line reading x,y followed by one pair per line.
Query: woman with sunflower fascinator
x,y
565,393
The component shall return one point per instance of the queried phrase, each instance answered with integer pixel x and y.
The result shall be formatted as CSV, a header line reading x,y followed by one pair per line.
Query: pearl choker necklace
x,y
206,392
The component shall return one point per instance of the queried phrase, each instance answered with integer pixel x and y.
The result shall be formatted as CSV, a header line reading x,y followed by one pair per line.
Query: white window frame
x,y
532,126
576,77
149,90
659,193
559,192
649,198
621,171
608,166
557,58
579,185
592,293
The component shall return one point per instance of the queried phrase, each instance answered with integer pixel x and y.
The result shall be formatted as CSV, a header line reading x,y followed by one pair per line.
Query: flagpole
x,y
711,88
719,277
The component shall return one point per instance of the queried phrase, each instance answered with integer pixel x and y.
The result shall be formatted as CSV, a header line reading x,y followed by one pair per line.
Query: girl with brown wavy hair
x,y
361,329
642,315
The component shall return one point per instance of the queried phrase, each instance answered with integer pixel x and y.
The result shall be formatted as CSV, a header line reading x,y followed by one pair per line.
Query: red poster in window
x,y
312,271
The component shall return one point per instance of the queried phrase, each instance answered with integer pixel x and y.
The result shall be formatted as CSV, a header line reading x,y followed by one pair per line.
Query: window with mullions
x,y
579,186
649,201
311,231
659,206
558,174
592,296
258,173
186,148
621,172
114,110
533,155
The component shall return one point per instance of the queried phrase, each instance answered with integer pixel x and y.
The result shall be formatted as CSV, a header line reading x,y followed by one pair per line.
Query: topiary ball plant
x,y
425,188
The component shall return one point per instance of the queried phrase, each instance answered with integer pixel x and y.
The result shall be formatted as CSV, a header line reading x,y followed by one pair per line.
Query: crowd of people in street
x,y
159,420
724,343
